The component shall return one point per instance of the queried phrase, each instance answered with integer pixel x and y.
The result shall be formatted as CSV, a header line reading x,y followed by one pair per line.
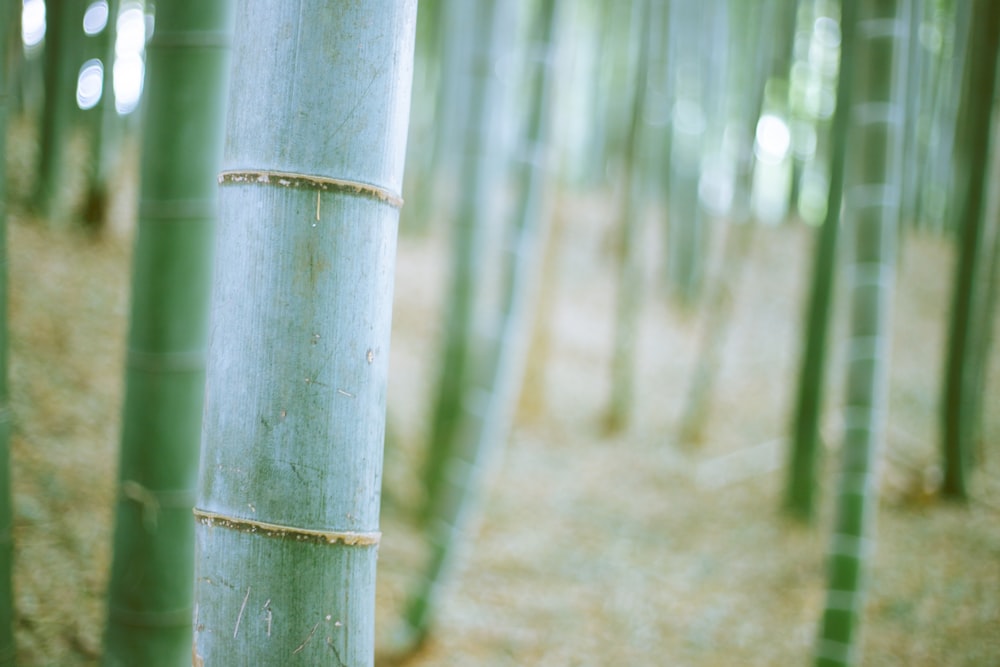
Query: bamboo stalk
x,y
628,301
873,186
7,646
150,595
800,490
288,491
467,340
962,355
63,38
481,432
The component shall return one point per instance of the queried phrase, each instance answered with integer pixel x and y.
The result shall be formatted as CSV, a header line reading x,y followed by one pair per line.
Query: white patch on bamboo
x,y
843,600
835,651
851,546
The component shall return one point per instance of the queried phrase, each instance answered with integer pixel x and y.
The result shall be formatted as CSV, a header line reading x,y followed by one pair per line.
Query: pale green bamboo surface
x,y
288,494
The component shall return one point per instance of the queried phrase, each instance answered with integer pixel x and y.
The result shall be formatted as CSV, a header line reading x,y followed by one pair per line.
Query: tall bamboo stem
x,y
800,491
150,595
483,425
288,488
957,399
6,511
873,185
628,301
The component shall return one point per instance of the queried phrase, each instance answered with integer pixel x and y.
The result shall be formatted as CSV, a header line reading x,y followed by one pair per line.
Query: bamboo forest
x,y
491,333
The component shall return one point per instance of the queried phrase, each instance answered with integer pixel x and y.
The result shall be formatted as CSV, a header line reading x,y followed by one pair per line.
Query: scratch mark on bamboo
x,y
336,653
239,616
264,529
318,195
345,393
267,615
311,182
306,640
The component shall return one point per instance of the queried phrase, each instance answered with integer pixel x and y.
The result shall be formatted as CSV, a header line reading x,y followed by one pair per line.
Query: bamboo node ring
x,y
309,182
347,538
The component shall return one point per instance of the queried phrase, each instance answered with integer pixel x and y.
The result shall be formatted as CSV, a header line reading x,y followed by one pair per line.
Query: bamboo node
x,y
310,182
265,529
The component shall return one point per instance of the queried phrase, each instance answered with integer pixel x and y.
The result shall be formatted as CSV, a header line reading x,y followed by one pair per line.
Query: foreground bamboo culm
x,y
288,495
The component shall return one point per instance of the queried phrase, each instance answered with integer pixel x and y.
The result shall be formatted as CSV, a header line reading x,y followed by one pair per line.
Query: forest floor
x,y
589,550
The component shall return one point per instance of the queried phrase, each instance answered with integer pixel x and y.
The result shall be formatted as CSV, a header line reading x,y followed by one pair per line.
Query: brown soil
x,y
589,550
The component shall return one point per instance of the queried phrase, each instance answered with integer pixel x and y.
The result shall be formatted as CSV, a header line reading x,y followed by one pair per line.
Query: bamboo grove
x,y
662,160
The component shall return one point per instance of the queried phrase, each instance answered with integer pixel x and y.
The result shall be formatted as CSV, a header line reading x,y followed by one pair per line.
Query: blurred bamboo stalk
x,y
7,647
150,595
872,205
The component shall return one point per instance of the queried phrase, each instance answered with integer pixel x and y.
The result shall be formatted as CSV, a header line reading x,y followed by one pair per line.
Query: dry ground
x,y
590,550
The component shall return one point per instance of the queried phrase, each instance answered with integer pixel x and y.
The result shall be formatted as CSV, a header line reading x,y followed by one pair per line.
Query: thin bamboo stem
x,y
150,596
800,490
873,186
7,647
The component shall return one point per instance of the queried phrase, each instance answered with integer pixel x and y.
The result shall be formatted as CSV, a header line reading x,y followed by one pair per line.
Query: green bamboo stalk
x,y
427,121
739,232
481,432
7,646
63,37
914,84
106,131
599,140
942,172
469,303
686,234
959,381
150,596
628,299
287,513
451,111
873,185
800,489
987,287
